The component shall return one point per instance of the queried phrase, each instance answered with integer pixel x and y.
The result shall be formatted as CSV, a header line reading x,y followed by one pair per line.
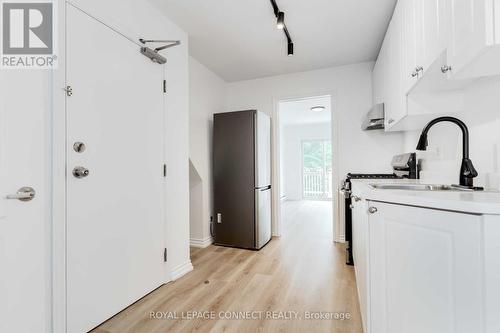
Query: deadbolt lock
x,y
80,172
79,147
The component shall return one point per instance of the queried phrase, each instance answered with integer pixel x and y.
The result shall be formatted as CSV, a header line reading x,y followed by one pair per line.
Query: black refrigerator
x,y
242,179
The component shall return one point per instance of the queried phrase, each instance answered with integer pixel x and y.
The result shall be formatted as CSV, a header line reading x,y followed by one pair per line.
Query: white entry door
x,y
25,229
115,223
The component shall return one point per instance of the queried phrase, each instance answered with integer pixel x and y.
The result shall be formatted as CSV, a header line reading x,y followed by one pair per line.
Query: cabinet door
x,y
379,76
425,269
360,253
472,30
410,36
395,108
434,21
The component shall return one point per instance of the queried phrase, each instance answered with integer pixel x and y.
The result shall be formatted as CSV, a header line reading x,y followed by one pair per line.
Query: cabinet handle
x,y
445,69
419,69
414,74
372,210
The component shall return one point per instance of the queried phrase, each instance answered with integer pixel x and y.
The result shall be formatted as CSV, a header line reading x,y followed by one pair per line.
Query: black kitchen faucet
x,y
467,171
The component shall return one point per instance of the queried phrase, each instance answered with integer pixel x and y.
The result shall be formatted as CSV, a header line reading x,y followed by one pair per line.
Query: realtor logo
x,y
27,34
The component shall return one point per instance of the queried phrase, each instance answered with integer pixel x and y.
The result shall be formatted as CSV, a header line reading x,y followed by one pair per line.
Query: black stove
x,y
404,166
372,176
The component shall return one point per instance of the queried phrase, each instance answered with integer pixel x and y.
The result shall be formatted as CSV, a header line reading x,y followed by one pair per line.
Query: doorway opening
x,y
317,169
306,160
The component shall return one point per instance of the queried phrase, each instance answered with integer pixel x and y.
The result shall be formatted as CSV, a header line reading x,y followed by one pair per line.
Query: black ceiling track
x,y
277,13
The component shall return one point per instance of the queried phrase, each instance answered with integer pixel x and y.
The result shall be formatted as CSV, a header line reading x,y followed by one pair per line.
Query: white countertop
x,y
486,203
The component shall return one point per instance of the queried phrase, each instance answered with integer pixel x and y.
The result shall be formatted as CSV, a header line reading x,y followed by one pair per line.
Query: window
x,y
317,169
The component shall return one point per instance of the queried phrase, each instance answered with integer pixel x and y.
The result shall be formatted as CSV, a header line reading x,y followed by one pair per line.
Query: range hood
x,y
374,120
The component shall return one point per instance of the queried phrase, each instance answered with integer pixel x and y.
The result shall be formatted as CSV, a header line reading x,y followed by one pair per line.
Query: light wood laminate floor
x,y
301,271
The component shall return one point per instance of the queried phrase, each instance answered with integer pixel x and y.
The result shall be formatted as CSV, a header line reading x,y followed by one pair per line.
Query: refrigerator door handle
x,y
263,188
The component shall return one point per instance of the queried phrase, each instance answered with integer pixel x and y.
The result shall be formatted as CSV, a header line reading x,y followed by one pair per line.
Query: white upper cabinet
x,y
429,48
434,30
411,43
473,49
379,76
424,37
395,104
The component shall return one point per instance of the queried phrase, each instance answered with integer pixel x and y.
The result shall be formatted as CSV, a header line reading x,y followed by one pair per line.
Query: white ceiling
x,y
299,111
238,39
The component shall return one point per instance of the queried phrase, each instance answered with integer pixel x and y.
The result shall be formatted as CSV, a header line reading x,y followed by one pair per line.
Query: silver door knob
x,y
79,147
80,172
372,210
24,194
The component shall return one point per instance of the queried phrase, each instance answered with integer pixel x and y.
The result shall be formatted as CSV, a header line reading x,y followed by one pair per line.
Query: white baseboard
x,y
181,270
201,243
340,239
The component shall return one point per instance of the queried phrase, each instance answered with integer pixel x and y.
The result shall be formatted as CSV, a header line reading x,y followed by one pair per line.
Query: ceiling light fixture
x,y
318,108
281,21
280,17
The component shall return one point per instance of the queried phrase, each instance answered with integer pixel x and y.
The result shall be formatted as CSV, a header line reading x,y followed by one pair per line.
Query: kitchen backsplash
x,y
441,163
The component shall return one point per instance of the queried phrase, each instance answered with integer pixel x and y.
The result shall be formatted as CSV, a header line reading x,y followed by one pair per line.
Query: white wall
x,y
482,115
207,94
359,151
291,152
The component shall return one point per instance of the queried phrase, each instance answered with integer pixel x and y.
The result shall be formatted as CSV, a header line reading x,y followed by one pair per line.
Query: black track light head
x,y
281,21
290,49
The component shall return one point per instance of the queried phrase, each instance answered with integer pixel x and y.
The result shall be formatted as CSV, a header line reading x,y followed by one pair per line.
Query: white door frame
x,y
276,178
59,174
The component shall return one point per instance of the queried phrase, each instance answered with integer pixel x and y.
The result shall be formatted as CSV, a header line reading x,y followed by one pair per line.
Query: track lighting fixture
x,y
281,21
280,24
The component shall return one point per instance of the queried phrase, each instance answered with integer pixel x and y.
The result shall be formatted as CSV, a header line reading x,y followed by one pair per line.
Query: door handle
x,y
80,172
24,194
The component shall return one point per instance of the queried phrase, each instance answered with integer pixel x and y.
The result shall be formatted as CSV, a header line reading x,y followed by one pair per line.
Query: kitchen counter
x,y
423,259
479,202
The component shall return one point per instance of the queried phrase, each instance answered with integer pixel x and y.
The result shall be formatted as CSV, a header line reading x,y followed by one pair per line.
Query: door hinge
x,y
69,91
165,255
165,86
165,170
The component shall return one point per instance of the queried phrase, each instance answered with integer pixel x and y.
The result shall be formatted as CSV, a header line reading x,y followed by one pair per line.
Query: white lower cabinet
x,y
360,255
426,270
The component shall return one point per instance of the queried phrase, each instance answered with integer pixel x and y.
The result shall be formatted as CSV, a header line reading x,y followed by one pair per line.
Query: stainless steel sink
x,y
419,187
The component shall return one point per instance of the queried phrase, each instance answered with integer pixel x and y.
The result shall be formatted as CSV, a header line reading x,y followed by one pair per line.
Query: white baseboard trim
x,y
181,270
340,239
201,243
